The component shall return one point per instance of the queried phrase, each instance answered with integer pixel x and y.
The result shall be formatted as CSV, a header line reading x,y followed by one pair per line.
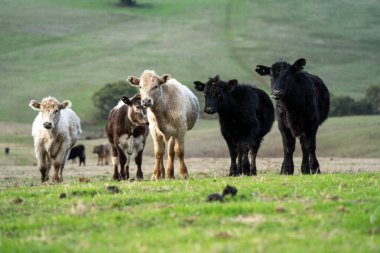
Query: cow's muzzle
x,y
210,110
48,125
277,94
147,102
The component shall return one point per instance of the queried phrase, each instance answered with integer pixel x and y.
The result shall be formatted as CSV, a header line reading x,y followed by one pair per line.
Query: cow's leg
x,y
115,163
239,159
138,161
311,146
170,162
43,162
289,143
254,149
123,162
245,162
179,149
305,167
159,151
232,149
59,164
98,159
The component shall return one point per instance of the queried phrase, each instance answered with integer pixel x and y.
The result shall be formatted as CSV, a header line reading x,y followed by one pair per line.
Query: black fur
x,y
302,105
246,115
78,151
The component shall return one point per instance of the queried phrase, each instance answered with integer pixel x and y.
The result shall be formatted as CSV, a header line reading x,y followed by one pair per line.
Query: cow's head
x,y
282,76
150,86
137,112
50,110
214,90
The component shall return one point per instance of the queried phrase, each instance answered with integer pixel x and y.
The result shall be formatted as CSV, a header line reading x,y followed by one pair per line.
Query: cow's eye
x,y
156,86
56,111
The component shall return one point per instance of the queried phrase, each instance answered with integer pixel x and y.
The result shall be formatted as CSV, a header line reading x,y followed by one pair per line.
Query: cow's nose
x,y
146,102
209,110
276,94
47,125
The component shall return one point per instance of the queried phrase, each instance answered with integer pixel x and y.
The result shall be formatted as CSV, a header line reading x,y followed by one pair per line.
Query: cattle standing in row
x,y
55,130
127,129
246,115
302,105
78,151
172,111
104,153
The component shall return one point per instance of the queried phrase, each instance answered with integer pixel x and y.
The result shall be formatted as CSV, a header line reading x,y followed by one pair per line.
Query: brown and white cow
x,y
127,129
104,153
55,130
172,110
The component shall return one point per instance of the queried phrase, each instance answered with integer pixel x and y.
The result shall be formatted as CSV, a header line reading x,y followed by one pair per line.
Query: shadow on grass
x,y
135,5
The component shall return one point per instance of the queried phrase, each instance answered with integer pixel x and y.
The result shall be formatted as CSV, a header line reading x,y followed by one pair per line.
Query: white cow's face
x,y
150,86
50,110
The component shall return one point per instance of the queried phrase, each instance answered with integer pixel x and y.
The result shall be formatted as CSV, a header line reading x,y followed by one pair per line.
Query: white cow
x,y
55,131
172,110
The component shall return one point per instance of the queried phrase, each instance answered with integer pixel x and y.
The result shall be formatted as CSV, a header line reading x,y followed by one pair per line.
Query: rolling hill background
x,y
69,49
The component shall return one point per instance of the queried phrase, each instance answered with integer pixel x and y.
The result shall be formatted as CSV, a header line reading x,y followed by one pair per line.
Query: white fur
x,y
52,146
119,105
175,110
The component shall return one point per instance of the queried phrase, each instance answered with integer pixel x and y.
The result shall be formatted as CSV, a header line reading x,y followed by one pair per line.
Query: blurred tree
x,y
108,96
345,106
373,97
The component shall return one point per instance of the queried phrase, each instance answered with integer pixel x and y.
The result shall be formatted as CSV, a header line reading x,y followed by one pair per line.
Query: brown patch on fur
x,y
49,103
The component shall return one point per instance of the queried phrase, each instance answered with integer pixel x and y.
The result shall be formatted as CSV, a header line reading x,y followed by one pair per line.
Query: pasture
x,y
69,49
54,47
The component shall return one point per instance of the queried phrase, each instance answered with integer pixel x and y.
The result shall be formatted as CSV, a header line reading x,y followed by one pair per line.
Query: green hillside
x,y
71,48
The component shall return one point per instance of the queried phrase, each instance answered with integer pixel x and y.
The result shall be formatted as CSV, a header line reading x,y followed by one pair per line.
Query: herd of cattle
x,y
167,109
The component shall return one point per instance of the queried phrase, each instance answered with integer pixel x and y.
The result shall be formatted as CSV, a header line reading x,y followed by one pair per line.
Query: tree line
x,y
108,96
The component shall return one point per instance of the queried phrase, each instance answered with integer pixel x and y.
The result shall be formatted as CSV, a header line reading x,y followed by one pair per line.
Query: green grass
x,y
69,49
271,213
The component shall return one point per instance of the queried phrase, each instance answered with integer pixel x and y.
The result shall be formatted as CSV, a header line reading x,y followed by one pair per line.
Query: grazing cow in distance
x,y
78,151
246,115
302,105
104,153
6,150
55,130
172,111
127,129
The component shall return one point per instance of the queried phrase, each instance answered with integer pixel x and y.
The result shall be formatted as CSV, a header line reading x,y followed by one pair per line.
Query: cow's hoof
x,y
154,177
183,176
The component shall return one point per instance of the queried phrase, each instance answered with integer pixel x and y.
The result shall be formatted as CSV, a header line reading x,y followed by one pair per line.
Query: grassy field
x,y
71,48
270,213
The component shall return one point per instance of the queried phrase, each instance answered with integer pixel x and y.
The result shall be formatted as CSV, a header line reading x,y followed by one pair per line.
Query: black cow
x,y
303,102
246,115
78,151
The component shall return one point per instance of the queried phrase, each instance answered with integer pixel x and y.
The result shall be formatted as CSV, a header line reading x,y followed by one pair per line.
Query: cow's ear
x,y
299,64
133,81
199,86
231,84
35,105
164,78
64,104
126,100
262,70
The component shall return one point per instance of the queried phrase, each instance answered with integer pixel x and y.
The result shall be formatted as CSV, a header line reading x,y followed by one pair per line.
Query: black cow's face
x,y
137,113
282,76
214,91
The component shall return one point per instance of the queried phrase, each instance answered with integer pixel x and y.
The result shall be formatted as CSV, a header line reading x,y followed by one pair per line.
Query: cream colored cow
x,y
55,130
